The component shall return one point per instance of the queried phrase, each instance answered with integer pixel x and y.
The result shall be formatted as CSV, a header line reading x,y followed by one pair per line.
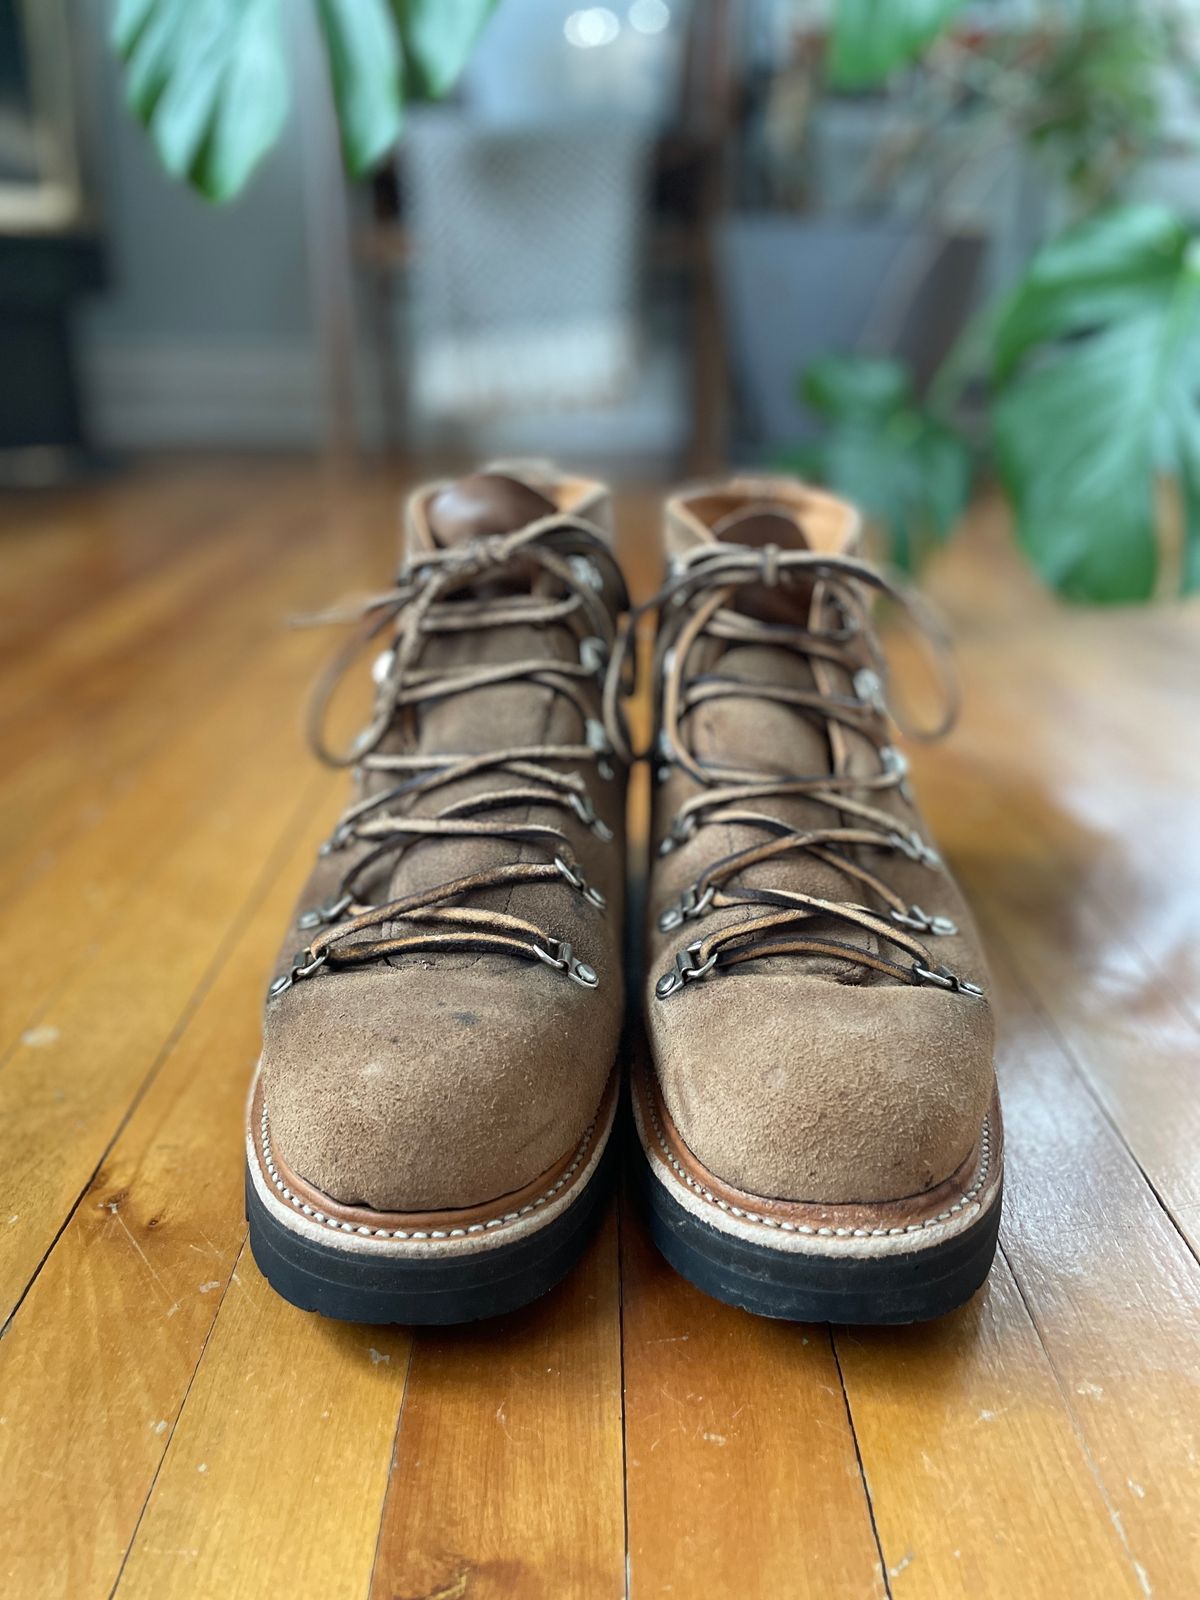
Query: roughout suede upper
x,y
809,1078
439,1080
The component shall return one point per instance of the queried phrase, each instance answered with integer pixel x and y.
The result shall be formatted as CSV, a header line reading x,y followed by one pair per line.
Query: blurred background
x,y
648,237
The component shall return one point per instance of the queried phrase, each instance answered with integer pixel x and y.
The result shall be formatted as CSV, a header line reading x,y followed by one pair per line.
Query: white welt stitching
x,y
417,1233
985,1151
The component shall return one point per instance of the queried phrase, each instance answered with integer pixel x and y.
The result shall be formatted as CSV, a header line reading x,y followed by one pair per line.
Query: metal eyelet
x,y
381,667
338,840
561,957
665,756
586,812
593,654
577,881
686,970
692,903
587,572
868,690
682,830
943,978
915,848
598,741
893,761
318,916
924,921
304,964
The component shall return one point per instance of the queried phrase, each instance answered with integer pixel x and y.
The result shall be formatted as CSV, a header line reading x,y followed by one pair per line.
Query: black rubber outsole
x,y
868,1291
354,1286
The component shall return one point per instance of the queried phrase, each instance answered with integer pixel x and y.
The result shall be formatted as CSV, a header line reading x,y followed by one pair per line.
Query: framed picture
x,y
41,188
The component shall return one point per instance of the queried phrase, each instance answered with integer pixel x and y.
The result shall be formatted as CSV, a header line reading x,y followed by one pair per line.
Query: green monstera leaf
x,y
209,78
439,36
366,69
872,38
1096,362
910,473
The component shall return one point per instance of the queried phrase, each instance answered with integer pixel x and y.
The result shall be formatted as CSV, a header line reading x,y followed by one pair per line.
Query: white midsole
x,y
716,1213
509,1228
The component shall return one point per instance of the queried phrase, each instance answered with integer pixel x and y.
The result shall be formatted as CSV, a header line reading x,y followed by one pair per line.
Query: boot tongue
x,y
758,526
482,506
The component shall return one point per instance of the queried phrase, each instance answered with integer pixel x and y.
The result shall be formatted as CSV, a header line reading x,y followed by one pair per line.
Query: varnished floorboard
x,y
168,1428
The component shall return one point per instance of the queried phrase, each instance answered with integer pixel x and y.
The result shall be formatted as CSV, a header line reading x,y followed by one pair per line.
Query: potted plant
x,y
1088,365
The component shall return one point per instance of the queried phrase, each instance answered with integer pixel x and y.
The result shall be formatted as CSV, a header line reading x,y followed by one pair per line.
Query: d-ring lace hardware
x,y
915,848
558,954
692,903
587,572
943,978
682,830
598,741
329,912
337,840
586,812
577,881
895,764
923,921
593,655
868,688
304,964
687,969
664,755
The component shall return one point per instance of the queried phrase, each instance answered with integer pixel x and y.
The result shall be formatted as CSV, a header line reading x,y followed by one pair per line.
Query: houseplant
x,y
209,78
1089,366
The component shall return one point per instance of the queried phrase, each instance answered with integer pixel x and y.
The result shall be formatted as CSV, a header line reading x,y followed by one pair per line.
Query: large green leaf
x,y
910,474
871,38
1093,275
208,79
1097,364
841,387
438,38
367,73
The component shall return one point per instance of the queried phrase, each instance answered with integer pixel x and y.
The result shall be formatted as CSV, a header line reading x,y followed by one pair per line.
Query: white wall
x,y
203,333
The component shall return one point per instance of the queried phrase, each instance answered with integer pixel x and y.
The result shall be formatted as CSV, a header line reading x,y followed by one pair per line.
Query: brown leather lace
x,y
696,603
562,561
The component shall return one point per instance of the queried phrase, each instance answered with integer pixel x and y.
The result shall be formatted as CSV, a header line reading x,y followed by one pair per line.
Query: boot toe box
x,y
801,1088
423,1088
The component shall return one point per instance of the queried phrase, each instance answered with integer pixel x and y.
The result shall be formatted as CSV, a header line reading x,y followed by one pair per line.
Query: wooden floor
x,y
168,1428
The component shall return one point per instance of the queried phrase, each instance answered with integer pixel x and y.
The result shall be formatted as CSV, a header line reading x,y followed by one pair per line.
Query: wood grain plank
x,y
1097,947
978,1480
73,1074
742,1477
507,1483
275,1474
95,1364
1113,1291
107,720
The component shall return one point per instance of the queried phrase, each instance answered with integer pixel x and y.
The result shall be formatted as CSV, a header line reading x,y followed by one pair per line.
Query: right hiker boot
x,y
427,1132
819,1120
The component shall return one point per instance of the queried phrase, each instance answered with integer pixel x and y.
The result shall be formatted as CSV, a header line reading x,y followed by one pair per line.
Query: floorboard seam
x,y
622,1201
261,885
128,1551
862,1468
412,1345
1078,1070
1139,1570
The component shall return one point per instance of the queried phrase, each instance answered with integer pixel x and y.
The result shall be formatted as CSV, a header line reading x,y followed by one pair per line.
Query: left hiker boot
x,y
819,1125
427,1135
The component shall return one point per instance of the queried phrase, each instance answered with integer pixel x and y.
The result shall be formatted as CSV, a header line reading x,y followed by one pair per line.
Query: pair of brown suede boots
x,y
430,1133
